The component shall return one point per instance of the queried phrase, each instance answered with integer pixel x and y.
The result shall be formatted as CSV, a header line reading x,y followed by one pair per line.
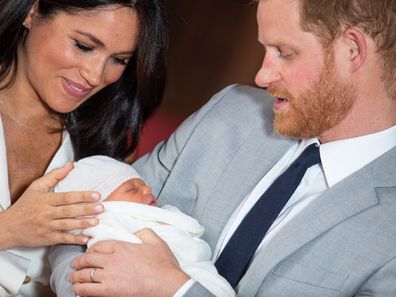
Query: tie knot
x,y
310,156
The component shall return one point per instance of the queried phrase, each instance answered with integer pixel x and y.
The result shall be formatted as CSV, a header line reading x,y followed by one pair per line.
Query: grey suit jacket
x,y
342,244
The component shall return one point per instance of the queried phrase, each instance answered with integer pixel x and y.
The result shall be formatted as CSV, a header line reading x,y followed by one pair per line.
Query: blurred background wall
x,y
213,43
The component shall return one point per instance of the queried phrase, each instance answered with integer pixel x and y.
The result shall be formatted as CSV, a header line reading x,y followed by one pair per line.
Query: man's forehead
x,y
280,24
279,11
283,4
283,1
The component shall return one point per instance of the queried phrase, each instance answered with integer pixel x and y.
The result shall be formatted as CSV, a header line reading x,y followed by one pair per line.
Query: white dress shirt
x,y
339,160
18,263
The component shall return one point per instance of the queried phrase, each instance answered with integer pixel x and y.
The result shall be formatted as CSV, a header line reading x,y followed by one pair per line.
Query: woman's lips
x,y
75,89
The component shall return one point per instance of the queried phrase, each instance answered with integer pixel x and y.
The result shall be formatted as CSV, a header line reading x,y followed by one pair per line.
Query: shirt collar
x,y
343,157
63,155
4,188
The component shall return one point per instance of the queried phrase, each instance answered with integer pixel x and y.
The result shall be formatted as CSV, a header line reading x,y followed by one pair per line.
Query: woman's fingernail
x,y
92,222
95,196
99,208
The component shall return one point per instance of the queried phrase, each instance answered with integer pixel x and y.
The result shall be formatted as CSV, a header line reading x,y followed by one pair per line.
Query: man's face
x,y
300,73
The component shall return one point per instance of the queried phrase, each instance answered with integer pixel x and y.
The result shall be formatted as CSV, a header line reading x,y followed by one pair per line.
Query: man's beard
x,y
322,106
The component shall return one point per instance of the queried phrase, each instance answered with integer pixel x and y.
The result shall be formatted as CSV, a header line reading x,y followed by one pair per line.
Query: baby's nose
x,y
146,190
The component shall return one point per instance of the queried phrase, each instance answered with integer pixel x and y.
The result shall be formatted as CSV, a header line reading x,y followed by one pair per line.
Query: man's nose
x,y
267,74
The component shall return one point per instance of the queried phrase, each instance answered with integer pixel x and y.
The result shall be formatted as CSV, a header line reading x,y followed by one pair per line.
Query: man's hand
x,y
126,269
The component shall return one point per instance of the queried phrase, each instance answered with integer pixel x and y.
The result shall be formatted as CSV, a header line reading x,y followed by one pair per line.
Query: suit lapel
x,y
248,166
347,198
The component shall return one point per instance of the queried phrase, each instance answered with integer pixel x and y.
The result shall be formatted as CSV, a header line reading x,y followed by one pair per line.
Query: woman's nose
x,y
93,72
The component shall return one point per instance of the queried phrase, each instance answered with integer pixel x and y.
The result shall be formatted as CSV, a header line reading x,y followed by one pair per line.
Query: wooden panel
x,y
213,43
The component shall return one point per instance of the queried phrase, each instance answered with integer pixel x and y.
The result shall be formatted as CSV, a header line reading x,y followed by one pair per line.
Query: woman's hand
x,y
40,217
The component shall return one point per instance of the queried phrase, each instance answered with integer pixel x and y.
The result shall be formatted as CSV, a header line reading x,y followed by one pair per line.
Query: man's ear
x,y
31,16
355,41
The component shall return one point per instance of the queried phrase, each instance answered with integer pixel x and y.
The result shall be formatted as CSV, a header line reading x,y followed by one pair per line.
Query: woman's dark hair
x,y
110,121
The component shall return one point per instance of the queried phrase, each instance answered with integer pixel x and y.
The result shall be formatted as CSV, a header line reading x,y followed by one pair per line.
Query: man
x,y
330,65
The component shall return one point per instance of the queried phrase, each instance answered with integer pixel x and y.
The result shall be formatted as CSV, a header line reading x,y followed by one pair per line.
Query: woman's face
x,y
70,57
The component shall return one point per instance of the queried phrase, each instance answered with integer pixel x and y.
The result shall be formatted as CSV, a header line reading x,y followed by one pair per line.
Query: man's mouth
x,y
280,103
279,99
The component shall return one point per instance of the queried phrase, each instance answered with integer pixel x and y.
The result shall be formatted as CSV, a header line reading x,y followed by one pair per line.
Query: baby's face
x,y
133,190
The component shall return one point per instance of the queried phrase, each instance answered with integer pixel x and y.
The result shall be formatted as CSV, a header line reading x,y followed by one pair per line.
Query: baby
x,y
133,190
130,206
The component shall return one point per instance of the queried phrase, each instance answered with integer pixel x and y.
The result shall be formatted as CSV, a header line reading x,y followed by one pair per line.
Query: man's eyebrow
x,y
93,38
276,43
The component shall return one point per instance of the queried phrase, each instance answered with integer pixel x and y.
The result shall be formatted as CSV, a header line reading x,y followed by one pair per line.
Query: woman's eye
x,y
120,61
82,46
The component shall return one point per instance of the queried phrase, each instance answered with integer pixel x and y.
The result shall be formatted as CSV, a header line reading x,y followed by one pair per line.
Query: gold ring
x,y
92,275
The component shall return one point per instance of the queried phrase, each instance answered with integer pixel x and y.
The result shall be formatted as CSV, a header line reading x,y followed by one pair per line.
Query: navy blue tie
x,y
237,254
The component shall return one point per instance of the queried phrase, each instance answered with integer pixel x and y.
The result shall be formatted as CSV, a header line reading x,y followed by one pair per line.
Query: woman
x,y
77,78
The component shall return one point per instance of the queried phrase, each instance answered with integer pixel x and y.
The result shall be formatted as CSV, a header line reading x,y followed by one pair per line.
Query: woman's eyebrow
x,y
101,43
93,38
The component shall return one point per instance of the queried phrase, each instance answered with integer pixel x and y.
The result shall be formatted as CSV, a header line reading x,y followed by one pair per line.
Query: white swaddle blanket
x,y
121,219
181,232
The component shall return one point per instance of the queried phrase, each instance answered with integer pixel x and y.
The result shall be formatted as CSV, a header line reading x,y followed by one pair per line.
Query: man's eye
x,y
82,46
285,54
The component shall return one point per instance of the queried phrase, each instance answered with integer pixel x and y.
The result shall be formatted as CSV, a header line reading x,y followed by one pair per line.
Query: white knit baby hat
x,y
97,173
